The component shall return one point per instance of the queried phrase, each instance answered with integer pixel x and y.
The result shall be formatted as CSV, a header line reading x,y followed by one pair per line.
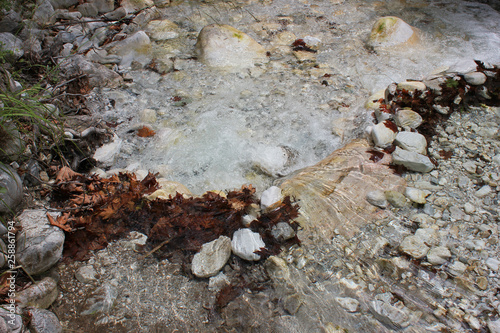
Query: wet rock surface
x,y
383,248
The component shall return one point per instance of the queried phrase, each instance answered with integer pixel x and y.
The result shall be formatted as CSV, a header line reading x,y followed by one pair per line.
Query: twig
x,y
155,249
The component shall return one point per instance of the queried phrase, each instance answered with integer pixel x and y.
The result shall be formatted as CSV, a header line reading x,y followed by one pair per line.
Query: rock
x,y
86,274
107,153
456,268
348,303
377,198
429,236
104,6
12,197
328,191
62,4
414,246
270,197
469,208
396,199
245,242
136,47
39,295
43,321
169,188
493,264
373,102
135,5
494,326
411,141
390,315
224,47
116,14
88,9
102,57
383,134
408,119
411,86
292,303
271,160
98,75
212,257
162,30
475,78
483,191
39,244
282,231
148,116
9,42
470,166
438,255
412,160
11,320
10,22
44,14
3,252
415,195
391,31
101,300
218,282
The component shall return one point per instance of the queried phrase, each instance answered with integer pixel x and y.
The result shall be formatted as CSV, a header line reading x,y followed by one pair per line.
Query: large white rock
x,y
412,160
438,255
416,195
411,141
245,242
224,47
270,196
411,86
408,119
475,78
390,31
382,135
39,244
212,257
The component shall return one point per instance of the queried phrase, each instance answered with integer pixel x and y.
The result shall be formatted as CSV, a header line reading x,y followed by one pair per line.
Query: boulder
x,y
39,244
383,134
391,31
224,47
329,192
12,195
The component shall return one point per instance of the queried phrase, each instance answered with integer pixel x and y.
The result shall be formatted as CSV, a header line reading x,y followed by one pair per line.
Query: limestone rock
x,y
104,6
329,191
456,268
245,242
88,9
383,134
377,198
162,30
494,326
270,196
101,300
86,274
282,231
224,47
12,197
44,13
408,119
493,264
9,42
412,160
414,246
475,78
212,257
411,86
39,244
43,321
11,322
348,303
61,4
396,198
98,75
389,314
411,141
39,295
438,255
136,47
415,195
391,31
483,191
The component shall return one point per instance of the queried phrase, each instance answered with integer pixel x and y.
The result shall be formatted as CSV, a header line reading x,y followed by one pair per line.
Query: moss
x,y
238,35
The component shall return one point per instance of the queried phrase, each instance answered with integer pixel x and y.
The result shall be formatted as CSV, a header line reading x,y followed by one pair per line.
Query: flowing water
x,y
219,130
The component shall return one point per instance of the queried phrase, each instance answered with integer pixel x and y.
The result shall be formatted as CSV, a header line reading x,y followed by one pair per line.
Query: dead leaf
x,y
66,174
60,222
145,132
